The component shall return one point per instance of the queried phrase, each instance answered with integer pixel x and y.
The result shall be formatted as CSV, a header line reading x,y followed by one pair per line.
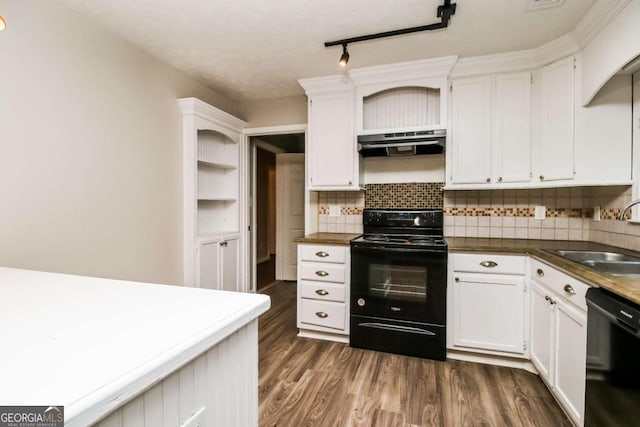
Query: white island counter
x,y
128,353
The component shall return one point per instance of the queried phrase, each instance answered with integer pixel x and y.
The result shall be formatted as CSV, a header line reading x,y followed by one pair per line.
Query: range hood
x,y
402,143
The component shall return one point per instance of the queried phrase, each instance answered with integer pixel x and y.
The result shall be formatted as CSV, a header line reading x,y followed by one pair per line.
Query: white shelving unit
x,y
211,162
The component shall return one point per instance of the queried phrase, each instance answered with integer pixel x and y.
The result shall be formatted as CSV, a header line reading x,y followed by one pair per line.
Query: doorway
x,y
278,212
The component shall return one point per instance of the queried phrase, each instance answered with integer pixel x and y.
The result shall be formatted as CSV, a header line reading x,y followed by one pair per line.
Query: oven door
x,y
398,283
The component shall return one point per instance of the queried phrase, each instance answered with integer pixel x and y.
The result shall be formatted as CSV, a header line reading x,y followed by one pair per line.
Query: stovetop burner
x,y
407,240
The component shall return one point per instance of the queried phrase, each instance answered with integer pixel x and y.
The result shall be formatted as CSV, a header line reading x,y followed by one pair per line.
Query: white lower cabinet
x,y
488,304
218,263
323,291
559,336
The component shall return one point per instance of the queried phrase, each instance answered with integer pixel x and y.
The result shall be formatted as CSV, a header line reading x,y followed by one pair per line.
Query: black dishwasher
x,y
613,361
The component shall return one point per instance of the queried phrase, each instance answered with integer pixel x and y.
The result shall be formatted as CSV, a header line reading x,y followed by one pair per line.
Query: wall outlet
x,y
334,210
540,212
596,213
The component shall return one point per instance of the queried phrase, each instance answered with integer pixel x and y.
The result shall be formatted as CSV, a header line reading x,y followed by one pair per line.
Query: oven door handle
x,y
422,250
396,328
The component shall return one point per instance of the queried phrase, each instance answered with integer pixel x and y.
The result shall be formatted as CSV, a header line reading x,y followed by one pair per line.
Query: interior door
x,y
289,212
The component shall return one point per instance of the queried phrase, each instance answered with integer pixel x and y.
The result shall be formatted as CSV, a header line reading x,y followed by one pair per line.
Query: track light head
x,y
344,59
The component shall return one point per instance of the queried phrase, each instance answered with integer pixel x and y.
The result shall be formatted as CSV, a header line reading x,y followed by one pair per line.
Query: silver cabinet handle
x,y
489,264
349,182
457,279
541,177
547,297
322,254
322,314
499,179
488,179
224,243
552,301
322,273
569,289
322,292
540,272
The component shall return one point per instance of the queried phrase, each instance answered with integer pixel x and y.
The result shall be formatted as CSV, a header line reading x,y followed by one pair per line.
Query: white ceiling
x,y
258,49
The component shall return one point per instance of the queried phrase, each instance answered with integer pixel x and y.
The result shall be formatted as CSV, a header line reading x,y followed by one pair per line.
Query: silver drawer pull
x,y
569,289
540,272
322,254
322,314
489,264
322,292
322,273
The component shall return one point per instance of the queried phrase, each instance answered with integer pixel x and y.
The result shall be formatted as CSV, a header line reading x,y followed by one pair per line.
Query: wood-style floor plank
x,y
305,382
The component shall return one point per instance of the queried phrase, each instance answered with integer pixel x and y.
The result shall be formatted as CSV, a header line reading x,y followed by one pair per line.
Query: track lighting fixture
x,y
3,23
344,59
445,12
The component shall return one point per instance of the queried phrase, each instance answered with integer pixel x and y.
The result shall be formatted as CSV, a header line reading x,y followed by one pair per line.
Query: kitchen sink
x,y
615,263
617,268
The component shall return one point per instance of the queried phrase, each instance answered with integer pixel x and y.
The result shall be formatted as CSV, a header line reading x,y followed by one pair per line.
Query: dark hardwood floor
x,y
306,382
266,272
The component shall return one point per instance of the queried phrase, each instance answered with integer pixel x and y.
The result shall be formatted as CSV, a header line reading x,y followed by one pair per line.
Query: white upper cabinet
x,y
470,136
512,130
332,157
490,135
556,143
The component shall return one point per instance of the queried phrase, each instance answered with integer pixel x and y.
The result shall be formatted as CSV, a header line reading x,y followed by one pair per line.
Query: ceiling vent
x,y
533,5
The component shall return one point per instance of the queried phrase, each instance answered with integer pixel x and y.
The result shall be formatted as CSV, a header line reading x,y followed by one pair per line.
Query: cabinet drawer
x,y
322,291
323,253
572,290
323,313
489,263
323,272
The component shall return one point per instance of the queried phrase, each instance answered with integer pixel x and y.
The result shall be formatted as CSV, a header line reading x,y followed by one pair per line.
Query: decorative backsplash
x,y
410,195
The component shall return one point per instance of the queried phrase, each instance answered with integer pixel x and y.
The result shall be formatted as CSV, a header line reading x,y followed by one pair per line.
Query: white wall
x,y
90,149
291,110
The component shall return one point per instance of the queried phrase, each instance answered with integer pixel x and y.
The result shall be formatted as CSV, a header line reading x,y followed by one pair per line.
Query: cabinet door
x,y
471,131
332,146
571,351
209,265
542,331
489,312
512,133
229,261
557,151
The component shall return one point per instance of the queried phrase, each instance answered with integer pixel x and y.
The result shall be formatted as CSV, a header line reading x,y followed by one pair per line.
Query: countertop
x,y
327,238
627,287
89,343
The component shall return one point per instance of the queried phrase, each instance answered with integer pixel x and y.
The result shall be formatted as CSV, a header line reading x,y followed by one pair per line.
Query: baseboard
x,y
509,362
305,333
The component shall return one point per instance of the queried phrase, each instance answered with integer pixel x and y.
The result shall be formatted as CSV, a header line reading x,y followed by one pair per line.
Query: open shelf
x,y
207,163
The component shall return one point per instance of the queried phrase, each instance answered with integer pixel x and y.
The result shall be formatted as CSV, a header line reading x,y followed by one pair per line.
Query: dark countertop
x,y
627,287
327,238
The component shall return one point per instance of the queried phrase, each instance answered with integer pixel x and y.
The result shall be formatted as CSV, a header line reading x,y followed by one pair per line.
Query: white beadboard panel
x,y
153,407
224,381
217,183
403,107
216,148
216,216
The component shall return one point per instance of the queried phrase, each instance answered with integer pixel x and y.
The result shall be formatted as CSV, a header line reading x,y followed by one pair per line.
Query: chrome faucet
x,y
623,214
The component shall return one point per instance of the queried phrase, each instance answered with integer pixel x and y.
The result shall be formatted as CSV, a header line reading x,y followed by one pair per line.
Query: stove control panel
x,y
403,218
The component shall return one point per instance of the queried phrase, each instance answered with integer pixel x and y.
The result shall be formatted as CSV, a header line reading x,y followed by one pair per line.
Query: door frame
x,y
248,268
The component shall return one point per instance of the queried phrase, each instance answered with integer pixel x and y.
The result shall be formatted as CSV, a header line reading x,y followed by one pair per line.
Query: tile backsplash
x,y
569,214
495,213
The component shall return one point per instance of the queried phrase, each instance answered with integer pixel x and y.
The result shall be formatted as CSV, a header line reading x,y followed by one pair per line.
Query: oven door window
x,y
403,283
